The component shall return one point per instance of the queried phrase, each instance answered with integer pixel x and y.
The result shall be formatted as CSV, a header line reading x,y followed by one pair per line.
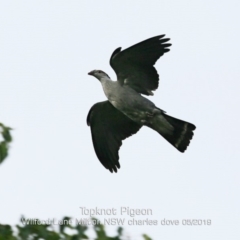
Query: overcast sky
x,y
46,50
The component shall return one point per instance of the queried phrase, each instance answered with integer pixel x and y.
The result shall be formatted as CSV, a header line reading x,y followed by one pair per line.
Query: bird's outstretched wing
x,y
134,65
109,127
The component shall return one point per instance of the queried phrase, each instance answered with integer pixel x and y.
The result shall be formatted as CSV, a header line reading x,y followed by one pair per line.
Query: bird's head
x,y
99,74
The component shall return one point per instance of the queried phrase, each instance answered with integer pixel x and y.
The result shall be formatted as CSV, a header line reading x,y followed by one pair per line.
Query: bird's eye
x,y
99,71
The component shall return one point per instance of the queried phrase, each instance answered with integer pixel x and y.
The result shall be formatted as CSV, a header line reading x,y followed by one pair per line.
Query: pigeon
x,y
126,109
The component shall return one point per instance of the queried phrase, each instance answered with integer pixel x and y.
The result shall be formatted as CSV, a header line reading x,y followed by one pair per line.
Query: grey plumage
x,y
126,110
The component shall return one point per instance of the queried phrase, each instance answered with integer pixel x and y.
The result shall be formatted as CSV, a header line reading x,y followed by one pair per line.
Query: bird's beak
x,y
91,73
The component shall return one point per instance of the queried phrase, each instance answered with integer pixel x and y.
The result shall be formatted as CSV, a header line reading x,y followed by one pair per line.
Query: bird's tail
x,y
175,131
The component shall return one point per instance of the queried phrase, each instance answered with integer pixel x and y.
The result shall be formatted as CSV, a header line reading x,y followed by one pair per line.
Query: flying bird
x,y
126,110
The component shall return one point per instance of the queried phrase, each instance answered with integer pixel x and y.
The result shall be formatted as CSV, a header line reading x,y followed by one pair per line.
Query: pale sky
x,y
47,49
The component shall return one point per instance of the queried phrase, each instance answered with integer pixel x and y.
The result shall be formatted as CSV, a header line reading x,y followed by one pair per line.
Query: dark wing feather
x,y
134,65
109,127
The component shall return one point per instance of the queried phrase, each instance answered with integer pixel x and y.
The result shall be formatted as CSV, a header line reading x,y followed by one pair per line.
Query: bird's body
x,y
126,110
136,107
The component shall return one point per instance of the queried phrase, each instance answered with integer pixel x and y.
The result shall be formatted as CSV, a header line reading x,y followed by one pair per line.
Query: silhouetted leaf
x,y
5,132
146,237
64,223
6,233
33,229
3,151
